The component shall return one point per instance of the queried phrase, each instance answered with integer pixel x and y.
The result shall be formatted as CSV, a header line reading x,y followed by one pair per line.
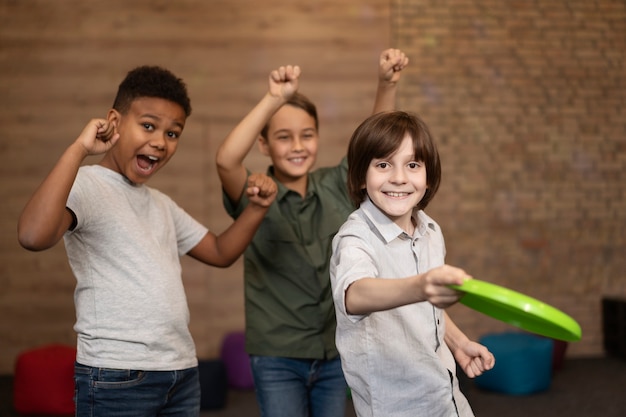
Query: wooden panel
x,y
60,64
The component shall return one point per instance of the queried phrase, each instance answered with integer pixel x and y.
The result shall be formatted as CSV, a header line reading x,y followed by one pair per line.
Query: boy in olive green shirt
x,y
290,318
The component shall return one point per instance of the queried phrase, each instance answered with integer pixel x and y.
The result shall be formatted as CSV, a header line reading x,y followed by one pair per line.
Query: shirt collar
x,y
282,191
388,229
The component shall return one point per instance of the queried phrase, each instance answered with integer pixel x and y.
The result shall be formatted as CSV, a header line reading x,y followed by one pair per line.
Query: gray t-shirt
x,y
125,253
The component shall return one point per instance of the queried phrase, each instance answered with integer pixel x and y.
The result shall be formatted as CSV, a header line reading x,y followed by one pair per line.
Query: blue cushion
x,y
523,363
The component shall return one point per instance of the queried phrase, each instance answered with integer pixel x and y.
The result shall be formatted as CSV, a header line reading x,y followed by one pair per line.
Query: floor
x,y
581,388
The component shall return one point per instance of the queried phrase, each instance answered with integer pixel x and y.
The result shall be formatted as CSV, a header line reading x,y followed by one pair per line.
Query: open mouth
x,y
147,162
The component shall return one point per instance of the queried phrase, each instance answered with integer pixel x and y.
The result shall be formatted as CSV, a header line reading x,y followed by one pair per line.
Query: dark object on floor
x,y
213,384
614,326
558,355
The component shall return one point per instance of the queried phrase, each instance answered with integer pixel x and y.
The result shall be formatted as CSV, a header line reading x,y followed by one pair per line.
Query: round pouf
x,y
237,361
44,380
523,363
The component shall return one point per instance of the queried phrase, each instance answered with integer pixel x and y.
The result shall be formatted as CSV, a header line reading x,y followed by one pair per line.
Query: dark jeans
x,y
103,392
288,387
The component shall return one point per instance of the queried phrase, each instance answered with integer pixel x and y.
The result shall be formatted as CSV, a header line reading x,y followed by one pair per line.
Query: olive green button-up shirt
x,y
288,298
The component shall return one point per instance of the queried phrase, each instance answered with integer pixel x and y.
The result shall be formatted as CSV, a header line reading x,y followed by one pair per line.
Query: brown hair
x,y
381,135
302,102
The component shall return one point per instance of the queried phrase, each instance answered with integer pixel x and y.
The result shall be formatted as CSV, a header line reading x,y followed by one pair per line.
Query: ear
x,y
264,147
113,116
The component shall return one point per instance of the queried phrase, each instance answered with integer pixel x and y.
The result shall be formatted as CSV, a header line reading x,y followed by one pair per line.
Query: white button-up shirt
x,y
395,362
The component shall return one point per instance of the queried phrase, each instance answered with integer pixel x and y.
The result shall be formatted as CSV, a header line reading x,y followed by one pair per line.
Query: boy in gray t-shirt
x,y
124,240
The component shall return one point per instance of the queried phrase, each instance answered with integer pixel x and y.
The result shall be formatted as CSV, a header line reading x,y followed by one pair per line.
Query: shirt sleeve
x,y
189,231
352,260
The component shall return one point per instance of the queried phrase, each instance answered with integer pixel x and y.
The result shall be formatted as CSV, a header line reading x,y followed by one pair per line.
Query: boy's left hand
x,y
474,358
261,190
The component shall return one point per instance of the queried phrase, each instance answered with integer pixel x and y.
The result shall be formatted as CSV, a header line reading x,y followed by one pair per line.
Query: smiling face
x,y
397,183
149,133
291,142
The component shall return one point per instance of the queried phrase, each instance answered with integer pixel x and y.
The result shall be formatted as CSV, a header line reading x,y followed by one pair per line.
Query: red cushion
x,y
44,380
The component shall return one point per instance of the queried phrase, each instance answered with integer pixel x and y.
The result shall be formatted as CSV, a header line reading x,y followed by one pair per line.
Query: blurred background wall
x,y
526,100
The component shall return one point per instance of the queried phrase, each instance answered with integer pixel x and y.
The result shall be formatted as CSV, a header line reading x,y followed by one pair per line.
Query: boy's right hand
x,y
391,63
435,285
261,190
283,82
98,136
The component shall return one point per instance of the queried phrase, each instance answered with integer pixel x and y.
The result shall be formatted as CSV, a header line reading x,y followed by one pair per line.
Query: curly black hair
x,y
151,81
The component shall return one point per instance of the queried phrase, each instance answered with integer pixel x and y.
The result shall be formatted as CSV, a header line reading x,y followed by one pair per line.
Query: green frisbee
x,y
518,310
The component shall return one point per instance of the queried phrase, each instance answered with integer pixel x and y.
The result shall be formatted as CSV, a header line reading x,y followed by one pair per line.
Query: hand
x,y
474,358
435,285
98,136
392,62
261,190
284,81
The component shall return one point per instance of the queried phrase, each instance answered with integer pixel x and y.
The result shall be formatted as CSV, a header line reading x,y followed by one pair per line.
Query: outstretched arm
x,y
283,83
390,66
368,295
224,249
473,357
44,219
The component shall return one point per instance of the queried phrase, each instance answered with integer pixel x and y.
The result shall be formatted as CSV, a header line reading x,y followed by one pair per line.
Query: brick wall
x,y
525,99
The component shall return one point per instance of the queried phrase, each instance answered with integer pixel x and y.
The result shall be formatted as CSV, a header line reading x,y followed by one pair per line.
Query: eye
x,y
414,165
173,135
382,165
148,126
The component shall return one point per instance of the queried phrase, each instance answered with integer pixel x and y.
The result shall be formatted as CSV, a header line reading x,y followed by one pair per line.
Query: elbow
x,y
227,165
224,263
30,243
31,240
223,170
228,261
222,162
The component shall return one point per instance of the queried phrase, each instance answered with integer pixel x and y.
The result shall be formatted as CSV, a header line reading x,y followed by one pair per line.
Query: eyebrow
x,y
153,117
289,130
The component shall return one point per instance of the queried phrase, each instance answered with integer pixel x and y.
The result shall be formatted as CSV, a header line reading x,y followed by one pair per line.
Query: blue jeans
x,y
103,392
287,387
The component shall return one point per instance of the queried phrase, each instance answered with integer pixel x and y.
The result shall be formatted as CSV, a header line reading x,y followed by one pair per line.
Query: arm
x,y
391,64
473,357
44,219
223,250
368,295
283,83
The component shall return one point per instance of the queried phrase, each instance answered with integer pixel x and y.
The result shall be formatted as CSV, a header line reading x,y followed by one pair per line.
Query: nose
x,y
158,142
398,176
296,144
